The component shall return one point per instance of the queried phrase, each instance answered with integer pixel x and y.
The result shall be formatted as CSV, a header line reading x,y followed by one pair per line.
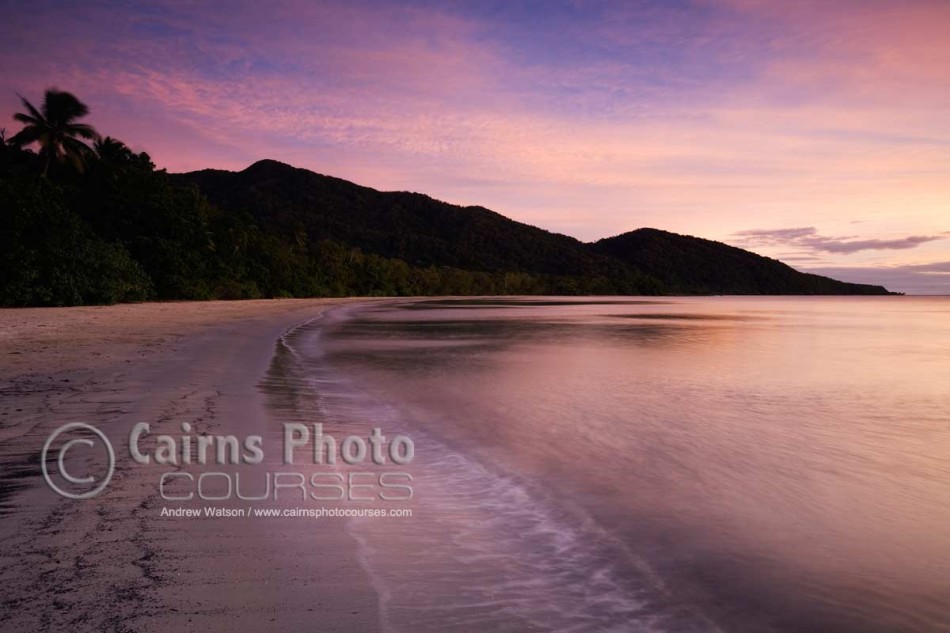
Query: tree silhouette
x,y
112,149
55,129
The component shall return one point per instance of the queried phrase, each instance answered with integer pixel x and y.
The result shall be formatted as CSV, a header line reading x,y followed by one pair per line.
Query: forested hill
x,y
424,232
412,227
691,265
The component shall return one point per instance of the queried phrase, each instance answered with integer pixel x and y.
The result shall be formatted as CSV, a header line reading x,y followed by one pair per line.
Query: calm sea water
x,y
701,464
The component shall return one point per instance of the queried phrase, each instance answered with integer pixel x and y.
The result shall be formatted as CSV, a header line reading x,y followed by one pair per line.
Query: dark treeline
x,y
124,231
85,220
103,225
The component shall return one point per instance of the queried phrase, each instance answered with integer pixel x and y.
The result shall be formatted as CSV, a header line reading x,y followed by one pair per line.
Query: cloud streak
x,y
808,239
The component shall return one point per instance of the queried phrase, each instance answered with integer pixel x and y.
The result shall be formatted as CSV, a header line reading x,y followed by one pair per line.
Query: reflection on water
x,y
748,464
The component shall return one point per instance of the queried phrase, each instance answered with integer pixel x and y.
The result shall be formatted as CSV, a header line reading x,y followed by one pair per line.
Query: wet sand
x,y
112,563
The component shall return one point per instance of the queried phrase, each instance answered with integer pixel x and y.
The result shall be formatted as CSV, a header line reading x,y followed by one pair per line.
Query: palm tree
x,y
56,130
112,149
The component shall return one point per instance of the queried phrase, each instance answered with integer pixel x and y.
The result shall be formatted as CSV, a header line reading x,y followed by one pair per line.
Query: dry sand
x,y
112,563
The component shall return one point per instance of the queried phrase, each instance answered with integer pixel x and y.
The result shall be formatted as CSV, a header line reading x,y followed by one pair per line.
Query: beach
x,y
113,563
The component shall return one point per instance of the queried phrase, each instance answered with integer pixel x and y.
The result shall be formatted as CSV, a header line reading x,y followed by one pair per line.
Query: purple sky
x,y
815,132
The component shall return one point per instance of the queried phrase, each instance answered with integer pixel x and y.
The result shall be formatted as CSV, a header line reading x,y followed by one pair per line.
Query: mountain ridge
x,y
425,232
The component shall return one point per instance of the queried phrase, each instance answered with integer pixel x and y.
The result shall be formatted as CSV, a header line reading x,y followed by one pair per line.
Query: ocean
x,y
669,464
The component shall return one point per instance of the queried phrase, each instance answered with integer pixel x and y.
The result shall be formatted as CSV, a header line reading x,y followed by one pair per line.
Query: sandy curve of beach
x,y
111,563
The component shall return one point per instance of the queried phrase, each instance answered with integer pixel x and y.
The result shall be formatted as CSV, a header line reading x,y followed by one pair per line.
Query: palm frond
x,y
26,118
27,135
82,130
33,111
72,145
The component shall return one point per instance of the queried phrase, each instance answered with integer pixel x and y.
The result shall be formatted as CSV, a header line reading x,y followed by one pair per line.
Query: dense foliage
x,y
123,231
100,224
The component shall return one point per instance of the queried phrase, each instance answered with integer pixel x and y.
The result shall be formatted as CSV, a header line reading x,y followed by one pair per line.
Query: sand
x,y
113,563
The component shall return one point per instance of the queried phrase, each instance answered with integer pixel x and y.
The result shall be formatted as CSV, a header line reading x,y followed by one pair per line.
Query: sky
x,y
814,132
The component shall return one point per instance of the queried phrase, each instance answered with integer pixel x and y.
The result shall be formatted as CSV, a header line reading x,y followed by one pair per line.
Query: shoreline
x,y
163,363
32,339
